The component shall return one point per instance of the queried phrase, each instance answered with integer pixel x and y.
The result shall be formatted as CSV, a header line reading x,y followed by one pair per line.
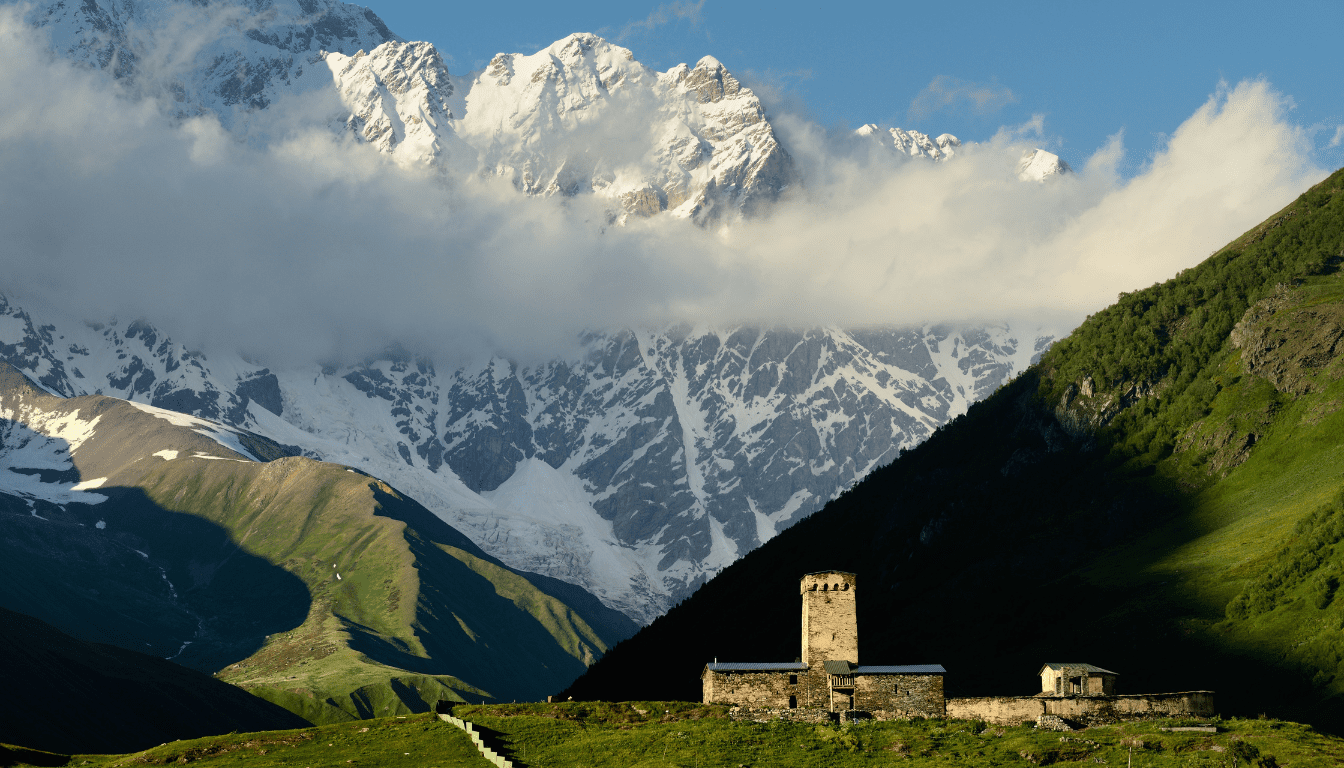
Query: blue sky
x,y
1091,69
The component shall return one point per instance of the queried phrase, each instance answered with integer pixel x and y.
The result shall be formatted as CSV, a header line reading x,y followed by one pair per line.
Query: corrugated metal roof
x,y
1087,667
837,667
760,666
905,669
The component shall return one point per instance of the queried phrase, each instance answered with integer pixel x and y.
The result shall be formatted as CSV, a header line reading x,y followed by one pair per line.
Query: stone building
x,y
828,674
1076,680
1079,695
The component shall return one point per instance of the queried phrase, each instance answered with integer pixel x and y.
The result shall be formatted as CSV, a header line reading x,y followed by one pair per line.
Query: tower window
x,y
793,679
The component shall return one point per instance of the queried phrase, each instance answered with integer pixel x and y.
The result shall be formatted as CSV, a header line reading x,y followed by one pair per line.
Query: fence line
x,y
494,757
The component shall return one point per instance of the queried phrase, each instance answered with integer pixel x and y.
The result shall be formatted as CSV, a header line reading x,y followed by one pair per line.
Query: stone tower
x,y
830,621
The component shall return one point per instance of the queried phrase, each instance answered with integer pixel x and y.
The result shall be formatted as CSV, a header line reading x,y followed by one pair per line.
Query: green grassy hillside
x,y
672,735
1160,496
312,585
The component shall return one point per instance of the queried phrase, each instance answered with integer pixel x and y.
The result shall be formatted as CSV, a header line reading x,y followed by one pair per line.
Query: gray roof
x,y
1076,665
760,666
837,667
905,669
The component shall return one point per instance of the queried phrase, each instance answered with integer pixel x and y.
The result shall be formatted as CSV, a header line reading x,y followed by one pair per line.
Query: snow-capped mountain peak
x,y
1039,165
583,115
911,143
399,96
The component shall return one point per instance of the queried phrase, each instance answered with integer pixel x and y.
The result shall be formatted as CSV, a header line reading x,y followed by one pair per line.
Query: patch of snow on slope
x,y
37,445
222,435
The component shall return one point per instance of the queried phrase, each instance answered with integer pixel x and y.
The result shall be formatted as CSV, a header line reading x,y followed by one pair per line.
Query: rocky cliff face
x,y
636,470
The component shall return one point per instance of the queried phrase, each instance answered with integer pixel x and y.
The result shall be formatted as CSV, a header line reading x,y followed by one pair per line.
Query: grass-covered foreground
x,y
682,735
414,741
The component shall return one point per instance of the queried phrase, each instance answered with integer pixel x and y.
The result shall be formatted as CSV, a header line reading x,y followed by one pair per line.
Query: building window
x,y
896,688
793,679
793,702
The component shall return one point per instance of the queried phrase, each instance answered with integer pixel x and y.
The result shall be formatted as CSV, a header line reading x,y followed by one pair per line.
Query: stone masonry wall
x,y
753,690
1193,703
1016,710
910,695
999,710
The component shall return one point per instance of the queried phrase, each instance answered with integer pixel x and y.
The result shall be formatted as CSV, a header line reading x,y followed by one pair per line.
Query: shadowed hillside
x,y
66,694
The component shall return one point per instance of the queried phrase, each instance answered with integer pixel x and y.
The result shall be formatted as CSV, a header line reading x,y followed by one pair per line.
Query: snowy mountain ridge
x,y
636,471
911,143
581,116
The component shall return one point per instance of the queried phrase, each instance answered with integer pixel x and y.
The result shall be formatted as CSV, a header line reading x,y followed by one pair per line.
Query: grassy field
x,y
683,735
413,741
680,735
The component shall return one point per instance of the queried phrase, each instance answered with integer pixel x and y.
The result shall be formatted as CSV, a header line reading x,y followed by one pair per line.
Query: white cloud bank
x,y
320,248
967,239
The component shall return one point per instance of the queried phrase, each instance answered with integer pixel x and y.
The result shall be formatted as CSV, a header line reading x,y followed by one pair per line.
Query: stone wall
x,y
750,689
1017,710
999,710
917,695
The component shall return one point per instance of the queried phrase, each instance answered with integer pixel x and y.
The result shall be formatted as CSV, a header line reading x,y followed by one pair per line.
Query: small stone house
x,y
1076,680
828,675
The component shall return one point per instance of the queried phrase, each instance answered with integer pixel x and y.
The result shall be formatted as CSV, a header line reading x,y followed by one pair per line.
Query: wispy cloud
x,y
1339,137
664,14
950,93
